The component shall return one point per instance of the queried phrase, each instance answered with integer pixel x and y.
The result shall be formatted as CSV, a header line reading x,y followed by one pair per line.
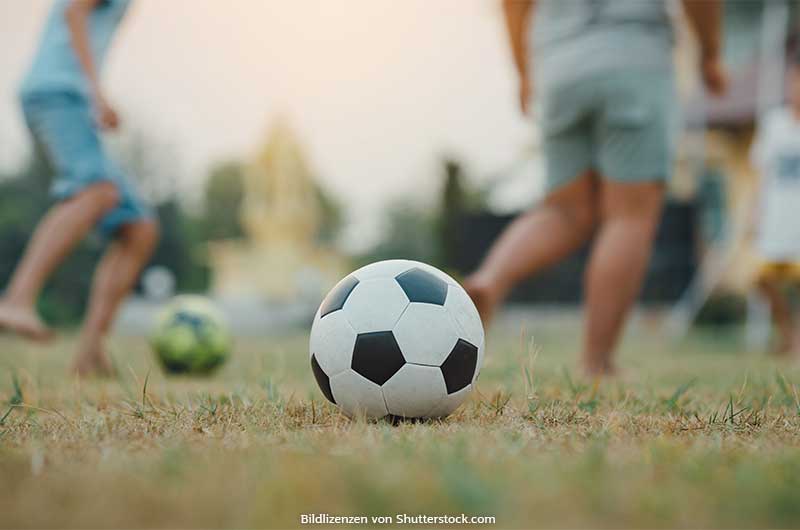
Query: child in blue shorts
x,y
65,108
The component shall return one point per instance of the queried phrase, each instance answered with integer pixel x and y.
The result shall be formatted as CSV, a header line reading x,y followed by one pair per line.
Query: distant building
x,y
279,258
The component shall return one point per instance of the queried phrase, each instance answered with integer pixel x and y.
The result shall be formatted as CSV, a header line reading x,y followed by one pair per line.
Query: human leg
x,y
56,235
780,311
113,280
634,135
545,235
629,218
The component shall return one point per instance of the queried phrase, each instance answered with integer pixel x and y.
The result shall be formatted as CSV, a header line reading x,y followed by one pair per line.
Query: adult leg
x,y
534,241
113,280
629,218
56,235
781,313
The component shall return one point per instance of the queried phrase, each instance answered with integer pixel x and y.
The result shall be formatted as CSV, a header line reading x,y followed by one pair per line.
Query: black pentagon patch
x,y
423,287
459,367
338,296
175,366
322,379
394,421
377,356
190,319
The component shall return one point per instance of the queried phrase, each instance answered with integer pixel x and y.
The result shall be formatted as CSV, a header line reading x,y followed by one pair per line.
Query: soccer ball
x,y
397,338
191,336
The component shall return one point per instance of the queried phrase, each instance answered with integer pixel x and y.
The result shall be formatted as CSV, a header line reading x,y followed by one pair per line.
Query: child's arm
x,y
705,17
77,15
518,15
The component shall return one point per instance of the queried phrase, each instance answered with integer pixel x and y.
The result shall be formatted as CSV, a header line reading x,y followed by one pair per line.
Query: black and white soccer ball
x,y
397,338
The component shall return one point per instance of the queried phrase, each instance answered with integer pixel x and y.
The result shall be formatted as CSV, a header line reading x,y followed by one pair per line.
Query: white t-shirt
x,y
776,154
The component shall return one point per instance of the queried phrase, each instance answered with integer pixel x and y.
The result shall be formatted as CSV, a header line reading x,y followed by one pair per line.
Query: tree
x,y
223,202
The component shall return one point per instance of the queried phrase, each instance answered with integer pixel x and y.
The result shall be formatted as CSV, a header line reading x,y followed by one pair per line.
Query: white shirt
x,y
776,154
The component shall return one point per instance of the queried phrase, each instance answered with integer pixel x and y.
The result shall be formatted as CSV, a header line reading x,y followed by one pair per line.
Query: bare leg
x,y
622,249
57,234
534,241
781,314
113,280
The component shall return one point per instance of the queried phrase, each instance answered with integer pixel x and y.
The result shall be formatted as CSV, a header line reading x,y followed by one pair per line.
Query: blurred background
x,y
286,143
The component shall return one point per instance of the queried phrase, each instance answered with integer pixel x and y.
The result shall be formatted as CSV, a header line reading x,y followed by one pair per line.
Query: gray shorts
x,y
621,124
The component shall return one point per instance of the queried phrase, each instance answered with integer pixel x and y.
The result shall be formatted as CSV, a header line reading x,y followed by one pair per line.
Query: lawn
x,y
697,434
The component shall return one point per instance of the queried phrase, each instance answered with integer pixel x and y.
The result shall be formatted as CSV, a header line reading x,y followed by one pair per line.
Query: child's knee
x,y
148,232
104,194
641,202
582,217
143,234
576,203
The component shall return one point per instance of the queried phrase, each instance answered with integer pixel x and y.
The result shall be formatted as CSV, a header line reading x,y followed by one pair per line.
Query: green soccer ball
x,y
191,336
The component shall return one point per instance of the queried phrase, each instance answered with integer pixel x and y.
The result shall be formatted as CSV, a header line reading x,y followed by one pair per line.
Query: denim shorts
x,y
63,126
621,124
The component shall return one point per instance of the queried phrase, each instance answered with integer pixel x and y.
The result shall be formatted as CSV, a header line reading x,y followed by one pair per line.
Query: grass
x,y
698,434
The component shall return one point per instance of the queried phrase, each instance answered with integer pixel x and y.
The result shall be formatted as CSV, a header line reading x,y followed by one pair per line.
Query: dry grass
x,y
698,435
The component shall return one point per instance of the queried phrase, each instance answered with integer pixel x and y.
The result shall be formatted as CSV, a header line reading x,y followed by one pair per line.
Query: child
x,y
603,76
776,154
64,106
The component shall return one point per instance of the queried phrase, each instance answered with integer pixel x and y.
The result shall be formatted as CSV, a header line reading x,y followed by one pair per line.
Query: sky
x,y
377,90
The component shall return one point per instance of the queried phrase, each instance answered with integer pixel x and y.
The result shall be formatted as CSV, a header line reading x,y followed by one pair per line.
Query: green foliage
x,y
672,402
223,201
410,234
224,194
181,248
15,400
332,217
456,200
427,234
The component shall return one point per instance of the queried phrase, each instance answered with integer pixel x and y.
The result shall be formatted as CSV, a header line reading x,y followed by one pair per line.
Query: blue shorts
x,y
63,126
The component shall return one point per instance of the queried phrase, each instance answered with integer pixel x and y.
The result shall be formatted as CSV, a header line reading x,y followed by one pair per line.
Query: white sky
x,y
379,90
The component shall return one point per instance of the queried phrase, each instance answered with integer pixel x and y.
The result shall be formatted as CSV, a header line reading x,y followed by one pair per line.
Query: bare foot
x,y
93,363
610,375
484,296
24,322
599,369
